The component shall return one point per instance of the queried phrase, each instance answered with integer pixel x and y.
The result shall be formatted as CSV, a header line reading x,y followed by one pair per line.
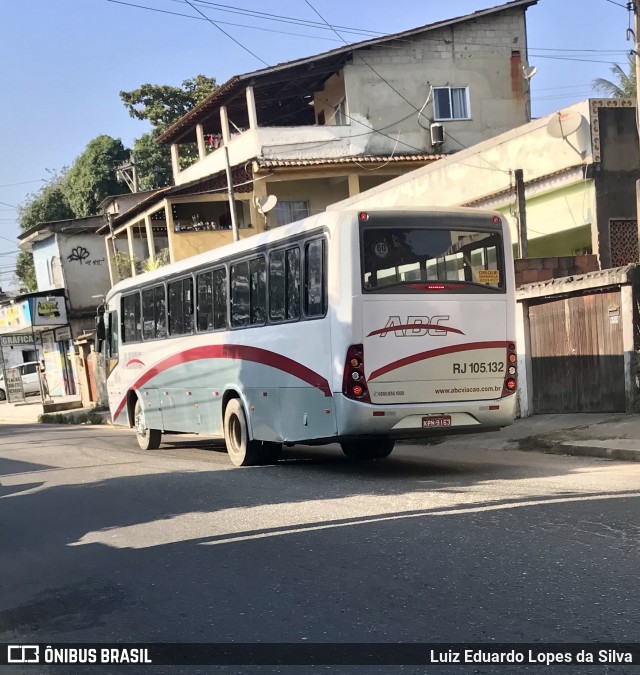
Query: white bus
x,y
353,327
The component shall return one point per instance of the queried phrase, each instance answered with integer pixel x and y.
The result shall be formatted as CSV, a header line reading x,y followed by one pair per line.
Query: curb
x,y
603,449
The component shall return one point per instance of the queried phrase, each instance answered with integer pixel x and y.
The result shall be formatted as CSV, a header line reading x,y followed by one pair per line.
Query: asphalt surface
x,y
455,542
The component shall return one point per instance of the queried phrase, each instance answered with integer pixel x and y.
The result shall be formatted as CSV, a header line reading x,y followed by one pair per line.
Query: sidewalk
x,y
608,435
29,411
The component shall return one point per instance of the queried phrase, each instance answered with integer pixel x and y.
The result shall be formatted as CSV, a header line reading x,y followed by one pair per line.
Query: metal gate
x,y
577,354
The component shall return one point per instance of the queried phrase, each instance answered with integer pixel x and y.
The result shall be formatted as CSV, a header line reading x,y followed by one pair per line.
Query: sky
x,y
63,63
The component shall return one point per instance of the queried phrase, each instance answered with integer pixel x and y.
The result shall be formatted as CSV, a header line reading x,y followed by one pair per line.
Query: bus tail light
x,y
510,377
354,384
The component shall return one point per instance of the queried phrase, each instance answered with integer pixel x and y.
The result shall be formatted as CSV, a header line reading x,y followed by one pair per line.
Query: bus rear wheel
x,y
378,449
242,450
148,439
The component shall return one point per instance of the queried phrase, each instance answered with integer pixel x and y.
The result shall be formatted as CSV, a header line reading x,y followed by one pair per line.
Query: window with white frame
x,y
451,103
290,211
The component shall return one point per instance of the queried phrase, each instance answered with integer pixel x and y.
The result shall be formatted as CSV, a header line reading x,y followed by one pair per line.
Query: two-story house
x,y
299,136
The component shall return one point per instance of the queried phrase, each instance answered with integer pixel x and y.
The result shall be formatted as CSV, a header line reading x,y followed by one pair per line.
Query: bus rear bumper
x,y
356,419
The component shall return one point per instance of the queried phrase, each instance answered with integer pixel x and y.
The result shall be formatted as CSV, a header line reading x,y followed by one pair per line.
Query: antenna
x,y
564,123
265,205
528,71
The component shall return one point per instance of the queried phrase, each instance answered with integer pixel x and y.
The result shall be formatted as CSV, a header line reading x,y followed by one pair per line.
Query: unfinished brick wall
x,y
531,270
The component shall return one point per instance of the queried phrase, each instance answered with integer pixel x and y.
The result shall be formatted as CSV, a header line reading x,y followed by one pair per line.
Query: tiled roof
x,y
352,159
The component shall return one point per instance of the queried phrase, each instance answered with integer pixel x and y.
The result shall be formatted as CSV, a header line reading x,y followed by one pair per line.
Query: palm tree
x,y
625,85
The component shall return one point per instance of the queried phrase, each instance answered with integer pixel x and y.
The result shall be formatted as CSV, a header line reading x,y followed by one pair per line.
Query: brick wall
x,y
531,270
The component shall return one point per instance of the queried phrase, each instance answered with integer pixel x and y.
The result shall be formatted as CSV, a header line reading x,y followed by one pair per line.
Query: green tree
x,y
92,176
161,106
153,162
49,203
625,84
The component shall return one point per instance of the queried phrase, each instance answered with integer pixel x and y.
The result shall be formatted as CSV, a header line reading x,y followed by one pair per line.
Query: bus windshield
x,y
414,259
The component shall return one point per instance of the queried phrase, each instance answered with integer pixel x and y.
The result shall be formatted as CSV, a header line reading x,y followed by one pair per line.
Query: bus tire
x,y
241,449
3,396
148,439
378,449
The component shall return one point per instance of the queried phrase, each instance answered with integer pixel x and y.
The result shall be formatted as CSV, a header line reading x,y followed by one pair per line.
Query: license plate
x,y
436,422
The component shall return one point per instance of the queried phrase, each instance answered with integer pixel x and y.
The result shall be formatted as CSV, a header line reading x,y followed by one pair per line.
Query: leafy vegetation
x,y
78,191
624,85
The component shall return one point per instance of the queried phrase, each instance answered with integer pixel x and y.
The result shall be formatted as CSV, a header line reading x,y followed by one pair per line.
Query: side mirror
x,y
101,331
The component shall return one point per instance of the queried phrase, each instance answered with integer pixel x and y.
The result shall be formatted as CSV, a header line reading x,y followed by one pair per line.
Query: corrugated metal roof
x,y
228,90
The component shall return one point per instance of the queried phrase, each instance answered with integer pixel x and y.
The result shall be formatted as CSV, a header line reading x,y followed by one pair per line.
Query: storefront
x,y
35,327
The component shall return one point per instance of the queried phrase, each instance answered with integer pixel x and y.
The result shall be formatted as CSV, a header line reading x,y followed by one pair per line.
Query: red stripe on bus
x,y
132,361
413,326
422,356
238,352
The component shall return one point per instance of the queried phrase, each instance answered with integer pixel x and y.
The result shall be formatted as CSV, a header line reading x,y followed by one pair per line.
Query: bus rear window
x,y
425,259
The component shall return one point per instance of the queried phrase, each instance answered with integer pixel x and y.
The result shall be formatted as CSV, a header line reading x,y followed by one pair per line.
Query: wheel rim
x,y
141,428
235,433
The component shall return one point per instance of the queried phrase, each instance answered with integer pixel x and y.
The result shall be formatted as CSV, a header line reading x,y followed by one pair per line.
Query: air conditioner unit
x,y
437,134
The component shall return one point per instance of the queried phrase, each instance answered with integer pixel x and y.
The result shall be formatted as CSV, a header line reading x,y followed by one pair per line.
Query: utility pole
x,y
522,214
128,172
232,201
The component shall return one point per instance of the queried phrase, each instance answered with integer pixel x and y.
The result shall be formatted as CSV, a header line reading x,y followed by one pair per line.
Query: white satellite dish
x,y
528,71
564,123
265,205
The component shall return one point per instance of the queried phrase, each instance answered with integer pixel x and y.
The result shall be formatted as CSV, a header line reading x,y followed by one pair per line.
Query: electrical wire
x,y
373,34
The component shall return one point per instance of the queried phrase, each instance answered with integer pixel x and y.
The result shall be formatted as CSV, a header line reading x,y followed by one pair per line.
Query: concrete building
x,y
580,170
324,128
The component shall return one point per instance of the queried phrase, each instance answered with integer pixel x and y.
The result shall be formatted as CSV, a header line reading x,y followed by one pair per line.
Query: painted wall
x,y
85,269
477,54
319,193
43,254
616,183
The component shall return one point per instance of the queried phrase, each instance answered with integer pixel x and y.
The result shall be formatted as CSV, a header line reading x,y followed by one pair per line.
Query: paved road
x,y
453,542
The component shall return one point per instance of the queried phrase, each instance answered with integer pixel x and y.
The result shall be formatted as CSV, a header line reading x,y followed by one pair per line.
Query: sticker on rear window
x,y
489,276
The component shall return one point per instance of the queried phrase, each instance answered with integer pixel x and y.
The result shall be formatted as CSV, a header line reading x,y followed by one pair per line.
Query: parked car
x,y
30,379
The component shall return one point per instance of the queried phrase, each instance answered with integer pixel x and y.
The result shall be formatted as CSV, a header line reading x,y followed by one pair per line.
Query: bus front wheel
x,y
242,450
148,439
378,449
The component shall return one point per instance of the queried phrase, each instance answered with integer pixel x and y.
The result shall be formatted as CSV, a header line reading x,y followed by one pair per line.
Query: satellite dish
x,y
265,205
564,123
528,71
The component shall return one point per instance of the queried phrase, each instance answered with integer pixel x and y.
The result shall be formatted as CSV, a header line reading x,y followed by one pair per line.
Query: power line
x,y
11,206
226,23
222,30
24,182
314,25
613,2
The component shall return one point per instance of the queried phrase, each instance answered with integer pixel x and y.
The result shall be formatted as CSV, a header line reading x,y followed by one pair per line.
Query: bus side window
x,y
258,291
211,301
153,314
132,321
314,279
180,306
220,298
284,285
204,301
240,302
